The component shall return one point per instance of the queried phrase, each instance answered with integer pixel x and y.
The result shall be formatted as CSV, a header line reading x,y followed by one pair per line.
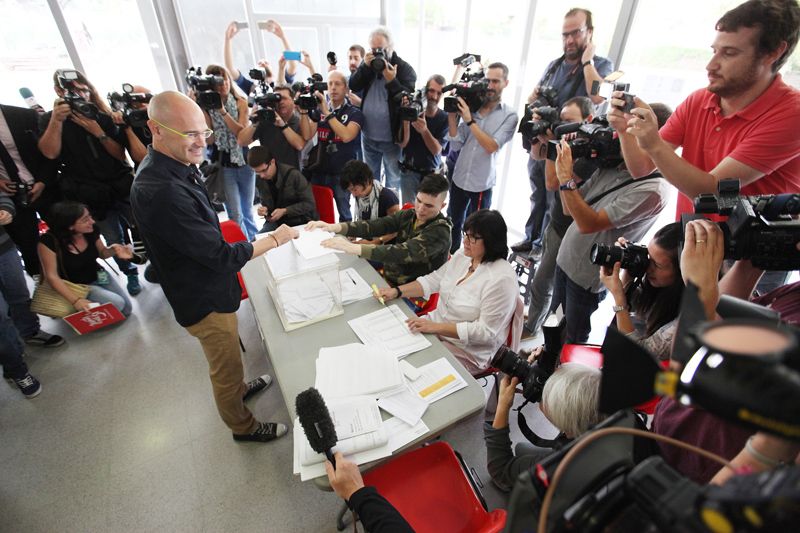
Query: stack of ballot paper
x,y
308,245
387,327
356,369
306,298
354,288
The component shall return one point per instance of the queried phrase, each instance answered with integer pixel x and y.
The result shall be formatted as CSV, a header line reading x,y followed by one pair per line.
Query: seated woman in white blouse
x,y
478,293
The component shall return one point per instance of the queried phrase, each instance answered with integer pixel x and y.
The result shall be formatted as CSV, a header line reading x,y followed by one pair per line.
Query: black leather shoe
x,y
522,246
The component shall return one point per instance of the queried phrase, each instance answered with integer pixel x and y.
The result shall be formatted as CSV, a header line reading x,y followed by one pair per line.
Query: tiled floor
x,y
125,437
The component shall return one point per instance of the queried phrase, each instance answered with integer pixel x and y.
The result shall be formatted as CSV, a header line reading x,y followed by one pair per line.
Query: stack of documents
x,y
437,379
387,328
356,369
354,288
308,243
306,298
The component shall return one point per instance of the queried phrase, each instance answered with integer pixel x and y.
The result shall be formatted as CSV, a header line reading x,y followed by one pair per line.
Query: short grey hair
x,y
570,398
384,32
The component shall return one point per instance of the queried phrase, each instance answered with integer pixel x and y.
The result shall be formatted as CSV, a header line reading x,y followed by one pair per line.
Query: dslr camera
x,y
205,88
22,193
610,85
415,108
378,63
546,106
305,92
127,102
594,140
759,228
66,80
471,87
632,257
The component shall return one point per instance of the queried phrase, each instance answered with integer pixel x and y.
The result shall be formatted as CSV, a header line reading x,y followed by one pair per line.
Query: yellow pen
x,y
378,294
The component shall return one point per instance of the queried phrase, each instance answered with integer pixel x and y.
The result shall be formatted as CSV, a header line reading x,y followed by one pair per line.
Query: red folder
x,y
94,319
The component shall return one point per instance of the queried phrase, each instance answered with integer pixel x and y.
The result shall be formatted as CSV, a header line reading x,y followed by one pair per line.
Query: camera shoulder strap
x,y
535,439
8,162
625,183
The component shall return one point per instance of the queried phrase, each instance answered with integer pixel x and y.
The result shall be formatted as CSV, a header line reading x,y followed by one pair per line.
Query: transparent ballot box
x,y
304,291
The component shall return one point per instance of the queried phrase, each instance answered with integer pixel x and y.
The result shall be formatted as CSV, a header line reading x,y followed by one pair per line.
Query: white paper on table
x,y
356,369
308,243
437,380
387,327
305,298
354,416
285,261
401,433
406,405
354,288
409,370
318,469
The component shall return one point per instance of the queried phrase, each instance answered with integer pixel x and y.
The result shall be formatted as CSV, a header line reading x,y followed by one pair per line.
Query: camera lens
x,y
511,363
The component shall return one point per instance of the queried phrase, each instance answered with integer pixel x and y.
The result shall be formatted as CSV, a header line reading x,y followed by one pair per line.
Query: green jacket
x,y
415,252
294,194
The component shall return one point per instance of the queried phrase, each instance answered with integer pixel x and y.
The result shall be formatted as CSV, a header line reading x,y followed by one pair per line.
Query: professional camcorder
x,y
205,88
594,140
305,92
265,98
415,108
127,103
66,80
632,257
472,88
759,228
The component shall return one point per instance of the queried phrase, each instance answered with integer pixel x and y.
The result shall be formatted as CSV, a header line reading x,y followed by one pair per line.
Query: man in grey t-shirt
x,y
627,211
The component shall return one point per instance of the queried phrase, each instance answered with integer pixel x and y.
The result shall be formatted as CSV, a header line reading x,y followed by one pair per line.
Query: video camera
x,y
205,88
66,81
265,98
305,92
632,257
416,105
759,228
127,102
472,88
595,140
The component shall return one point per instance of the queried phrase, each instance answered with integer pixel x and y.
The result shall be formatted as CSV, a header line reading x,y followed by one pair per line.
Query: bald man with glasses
x,y
196,266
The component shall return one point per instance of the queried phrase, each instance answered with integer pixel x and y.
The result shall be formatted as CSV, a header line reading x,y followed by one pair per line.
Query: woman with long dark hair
x,y
651,314
238,177
69,251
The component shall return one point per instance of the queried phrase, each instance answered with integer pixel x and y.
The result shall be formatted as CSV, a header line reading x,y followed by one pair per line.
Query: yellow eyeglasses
x,y
193,135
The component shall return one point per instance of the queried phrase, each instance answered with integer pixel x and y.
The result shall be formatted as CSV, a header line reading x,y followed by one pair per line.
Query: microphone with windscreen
x,y
316,421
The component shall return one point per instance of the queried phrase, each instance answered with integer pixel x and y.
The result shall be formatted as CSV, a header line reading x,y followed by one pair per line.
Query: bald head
x,y
173,115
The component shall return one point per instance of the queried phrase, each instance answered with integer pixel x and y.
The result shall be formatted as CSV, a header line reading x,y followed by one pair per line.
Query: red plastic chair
x,y
589,355
430,488
231,232
429,305
407,205
326,207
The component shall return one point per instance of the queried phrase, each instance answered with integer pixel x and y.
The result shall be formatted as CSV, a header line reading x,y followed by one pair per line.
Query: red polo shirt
x,y
763,135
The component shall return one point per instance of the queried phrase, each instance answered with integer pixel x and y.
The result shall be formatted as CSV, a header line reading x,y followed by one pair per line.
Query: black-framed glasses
x,y
470,237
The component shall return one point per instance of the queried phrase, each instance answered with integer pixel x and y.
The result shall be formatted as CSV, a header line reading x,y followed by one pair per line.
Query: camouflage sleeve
x,y
431,242
370,229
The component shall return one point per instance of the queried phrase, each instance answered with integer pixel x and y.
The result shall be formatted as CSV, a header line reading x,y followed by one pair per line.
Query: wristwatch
x,y
284,127
471,122
618,308
569,185
586,63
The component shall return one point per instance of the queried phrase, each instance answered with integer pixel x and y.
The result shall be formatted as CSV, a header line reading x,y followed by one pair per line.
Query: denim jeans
x,y
462,204
240,190
15,316
409,184
376,152
579,304
340,196
541,200
110,293
542,285
113,228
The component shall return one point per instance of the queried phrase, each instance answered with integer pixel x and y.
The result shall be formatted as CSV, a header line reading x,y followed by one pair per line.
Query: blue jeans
x,y
240,190
409,184
340,196
113,228
462,204
15,315
578,303
376,152
110,293
541,200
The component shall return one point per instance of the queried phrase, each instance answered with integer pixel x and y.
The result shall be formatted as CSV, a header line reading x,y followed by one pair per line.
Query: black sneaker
x,y
42,338
134,287
257,385
522,246
29,386
265,432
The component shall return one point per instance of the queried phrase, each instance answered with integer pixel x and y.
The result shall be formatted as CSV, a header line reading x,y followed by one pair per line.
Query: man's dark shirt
x,y
181,232
271,136
376,512
89,174
341,152
416,155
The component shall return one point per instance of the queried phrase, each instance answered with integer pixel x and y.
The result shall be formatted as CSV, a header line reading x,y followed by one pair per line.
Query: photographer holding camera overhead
x,y
379,79
90,150
337,130
483,130
566,77
227,115
742,125
610,205
276,126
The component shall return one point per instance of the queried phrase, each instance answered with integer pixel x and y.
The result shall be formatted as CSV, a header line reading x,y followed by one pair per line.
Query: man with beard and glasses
x,y
479,137
742,125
